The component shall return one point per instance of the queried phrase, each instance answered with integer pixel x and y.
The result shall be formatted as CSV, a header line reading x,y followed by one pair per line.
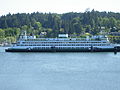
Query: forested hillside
x,y
52,24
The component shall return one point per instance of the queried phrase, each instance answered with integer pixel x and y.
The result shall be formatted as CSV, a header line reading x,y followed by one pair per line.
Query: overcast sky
x,y
57,6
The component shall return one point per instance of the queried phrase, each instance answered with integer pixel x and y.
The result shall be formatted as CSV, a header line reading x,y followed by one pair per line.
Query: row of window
x,y
59,47
59,42
64,45
54,39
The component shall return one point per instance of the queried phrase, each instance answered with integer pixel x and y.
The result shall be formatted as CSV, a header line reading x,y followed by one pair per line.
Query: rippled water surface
x,y
59,71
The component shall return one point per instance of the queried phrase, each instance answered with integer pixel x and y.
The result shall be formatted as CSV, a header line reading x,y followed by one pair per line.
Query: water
x,y
59,71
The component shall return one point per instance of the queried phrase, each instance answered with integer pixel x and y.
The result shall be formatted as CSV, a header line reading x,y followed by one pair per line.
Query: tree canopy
x,y
92,22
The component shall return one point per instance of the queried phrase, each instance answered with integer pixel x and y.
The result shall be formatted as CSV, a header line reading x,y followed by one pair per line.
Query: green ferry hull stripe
x,y
63,50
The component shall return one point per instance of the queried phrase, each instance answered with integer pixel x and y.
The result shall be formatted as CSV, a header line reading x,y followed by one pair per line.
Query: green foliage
x,y
2,33
37,25
92,22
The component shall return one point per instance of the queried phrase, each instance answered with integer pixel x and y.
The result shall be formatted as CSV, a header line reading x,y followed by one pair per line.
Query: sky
x,y
57,6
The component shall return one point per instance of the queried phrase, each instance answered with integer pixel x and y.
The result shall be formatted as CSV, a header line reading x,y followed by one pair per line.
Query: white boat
x,y
62,44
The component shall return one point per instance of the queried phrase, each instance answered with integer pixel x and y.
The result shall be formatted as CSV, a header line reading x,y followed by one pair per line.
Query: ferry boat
x,y
62,44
